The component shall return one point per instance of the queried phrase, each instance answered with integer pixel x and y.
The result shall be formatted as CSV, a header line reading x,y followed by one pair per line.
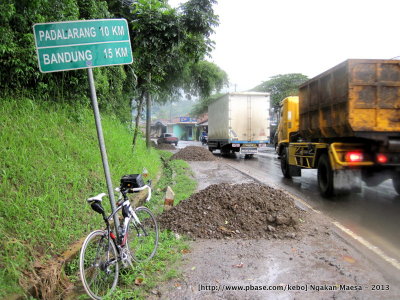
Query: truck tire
x,y
325,176
396,182
285,162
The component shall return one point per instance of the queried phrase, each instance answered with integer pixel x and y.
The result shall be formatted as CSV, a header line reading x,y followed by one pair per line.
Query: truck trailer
x,y
346,124
239,122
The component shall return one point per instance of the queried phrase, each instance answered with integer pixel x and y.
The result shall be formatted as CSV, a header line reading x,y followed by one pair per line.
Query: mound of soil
x,y
248,210
193,153
165,146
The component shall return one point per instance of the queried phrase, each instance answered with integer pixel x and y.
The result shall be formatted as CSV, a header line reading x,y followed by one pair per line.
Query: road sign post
x,y
63,46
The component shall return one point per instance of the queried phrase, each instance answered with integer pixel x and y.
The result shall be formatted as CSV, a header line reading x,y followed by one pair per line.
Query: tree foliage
x,y
281,86
203,78
168,48
201,106
168,42
19,72
169,45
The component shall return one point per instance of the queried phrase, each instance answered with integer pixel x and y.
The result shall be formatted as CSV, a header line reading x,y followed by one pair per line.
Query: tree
x,y
203,78
166,42
201,106
19,72
281,86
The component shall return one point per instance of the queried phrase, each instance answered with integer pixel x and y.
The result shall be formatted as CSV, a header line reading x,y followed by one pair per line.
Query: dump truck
x,y
346,124
239,122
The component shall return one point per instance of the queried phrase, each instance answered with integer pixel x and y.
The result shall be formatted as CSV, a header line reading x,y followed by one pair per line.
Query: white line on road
x,y
367,244
358,238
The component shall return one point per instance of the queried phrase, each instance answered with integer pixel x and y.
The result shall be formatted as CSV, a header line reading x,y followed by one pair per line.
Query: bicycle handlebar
x,y
141,189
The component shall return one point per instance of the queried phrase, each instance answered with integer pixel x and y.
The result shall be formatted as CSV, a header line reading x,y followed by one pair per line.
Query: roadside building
x,y
202,125
184,128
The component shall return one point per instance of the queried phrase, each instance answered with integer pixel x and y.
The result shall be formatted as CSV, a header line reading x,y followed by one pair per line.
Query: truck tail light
x,y
354,156
382,158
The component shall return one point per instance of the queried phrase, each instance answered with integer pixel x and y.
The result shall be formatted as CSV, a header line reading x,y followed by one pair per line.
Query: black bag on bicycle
x,y
131,181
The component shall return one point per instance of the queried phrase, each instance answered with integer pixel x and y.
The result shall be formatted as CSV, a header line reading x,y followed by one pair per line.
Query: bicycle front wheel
x,y
143,236
98,264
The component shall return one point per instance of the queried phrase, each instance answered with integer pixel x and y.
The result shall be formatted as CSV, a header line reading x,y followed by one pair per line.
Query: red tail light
x,y
354,156
382,158
112,235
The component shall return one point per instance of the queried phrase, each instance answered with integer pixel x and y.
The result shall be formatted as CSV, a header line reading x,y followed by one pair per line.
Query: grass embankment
x,y
176,174
49,164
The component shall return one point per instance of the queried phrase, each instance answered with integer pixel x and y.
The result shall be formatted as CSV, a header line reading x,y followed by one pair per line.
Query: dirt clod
x,y
248,210
193,153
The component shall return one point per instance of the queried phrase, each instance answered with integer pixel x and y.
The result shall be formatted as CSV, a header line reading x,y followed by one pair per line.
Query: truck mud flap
x,y
347,181
294,171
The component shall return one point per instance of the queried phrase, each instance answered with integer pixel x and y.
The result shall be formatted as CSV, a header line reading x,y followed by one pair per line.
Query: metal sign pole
x,y
108,44
102,146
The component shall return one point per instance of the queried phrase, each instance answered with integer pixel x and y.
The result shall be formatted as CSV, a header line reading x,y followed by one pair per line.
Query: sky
x,y
257,39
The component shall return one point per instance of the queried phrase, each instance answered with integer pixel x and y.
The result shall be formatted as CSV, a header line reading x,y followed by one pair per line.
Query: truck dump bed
x,y
357,98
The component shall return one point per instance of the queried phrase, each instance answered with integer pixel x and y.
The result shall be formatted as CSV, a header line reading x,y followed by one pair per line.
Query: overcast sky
x,y
257,39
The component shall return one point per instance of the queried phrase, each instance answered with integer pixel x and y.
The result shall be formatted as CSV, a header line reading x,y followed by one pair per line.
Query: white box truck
x,y
239,122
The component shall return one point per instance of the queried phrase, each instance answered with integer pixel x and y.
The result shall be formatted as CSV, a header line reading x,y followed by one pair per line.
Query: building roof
x,y
203,123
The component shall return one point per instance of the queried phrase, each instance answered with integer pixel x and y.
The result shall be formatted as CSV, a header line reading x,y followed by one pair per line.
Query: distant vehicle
x,y
345,123
275,141
239,122
167,138
204,139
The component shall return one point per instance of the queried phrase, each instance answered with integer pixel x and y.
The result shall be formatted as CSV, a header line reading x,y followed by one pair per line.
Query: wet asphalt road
x,y
373,214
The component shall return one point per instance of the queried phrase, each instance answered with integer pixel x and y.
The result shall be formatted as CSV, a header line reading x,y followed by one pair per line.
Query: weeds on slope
x,y
138,282
49,164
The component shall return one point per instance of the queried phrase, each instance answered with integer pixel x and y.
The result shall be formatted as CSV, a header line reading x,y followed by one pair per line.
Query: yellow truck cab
x,y
288,122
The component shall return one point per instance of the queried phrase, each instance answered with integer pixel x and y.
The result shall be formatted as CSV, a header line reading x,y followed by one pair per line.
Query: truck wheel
x,y
285,162
396,182
325,176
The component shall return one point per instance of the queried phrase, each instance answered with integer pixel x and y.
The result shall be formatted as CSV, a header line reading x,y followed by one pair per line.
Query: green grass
x,y
178,175
49,164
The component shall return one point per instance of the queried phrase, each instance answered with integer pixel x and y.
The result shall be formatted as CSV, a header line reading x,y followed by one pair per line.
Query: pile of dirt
x,y
247,210
193,153
164,146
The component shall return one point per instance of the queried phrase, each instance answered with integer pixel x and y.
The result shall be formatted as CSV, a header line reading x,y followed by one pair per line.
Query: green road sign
x,y
73,45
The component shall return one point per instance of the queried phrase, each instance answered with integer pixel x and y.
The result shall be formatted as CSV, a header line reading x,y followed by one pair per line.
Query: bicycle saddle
x,y
99,198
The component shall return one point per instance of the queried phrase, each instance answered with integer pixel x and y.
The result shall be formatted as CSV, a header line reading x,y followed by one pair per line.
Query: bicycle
x,y
136,239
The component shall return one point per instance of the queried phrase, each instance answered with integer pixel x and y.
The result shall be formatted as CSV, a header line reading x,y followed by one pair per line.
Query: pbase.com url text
x,y
289,287
221,288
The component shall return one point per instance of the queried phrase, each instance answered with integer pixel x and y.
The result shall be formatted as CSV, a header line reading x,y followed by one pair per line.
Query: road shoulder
x,y
320,262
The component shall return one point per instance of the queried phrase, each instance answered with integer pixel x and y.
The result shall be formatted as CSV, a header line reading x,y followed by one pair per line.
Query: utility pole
x,y
148,115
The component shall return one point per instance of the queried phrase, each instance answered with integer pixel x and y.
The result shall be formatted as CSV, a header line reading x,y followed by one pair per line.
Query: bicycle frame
x,y
107,257
118,240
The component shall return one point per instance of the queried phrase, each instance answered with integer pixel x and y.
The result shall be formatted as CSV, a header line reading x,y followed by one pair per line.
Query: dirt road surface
x,y
320,262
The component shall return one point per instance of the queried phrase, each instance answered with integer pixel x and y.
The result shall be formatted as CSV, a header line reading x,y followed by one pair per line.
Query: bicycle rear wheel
x,y
98,264
143,238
